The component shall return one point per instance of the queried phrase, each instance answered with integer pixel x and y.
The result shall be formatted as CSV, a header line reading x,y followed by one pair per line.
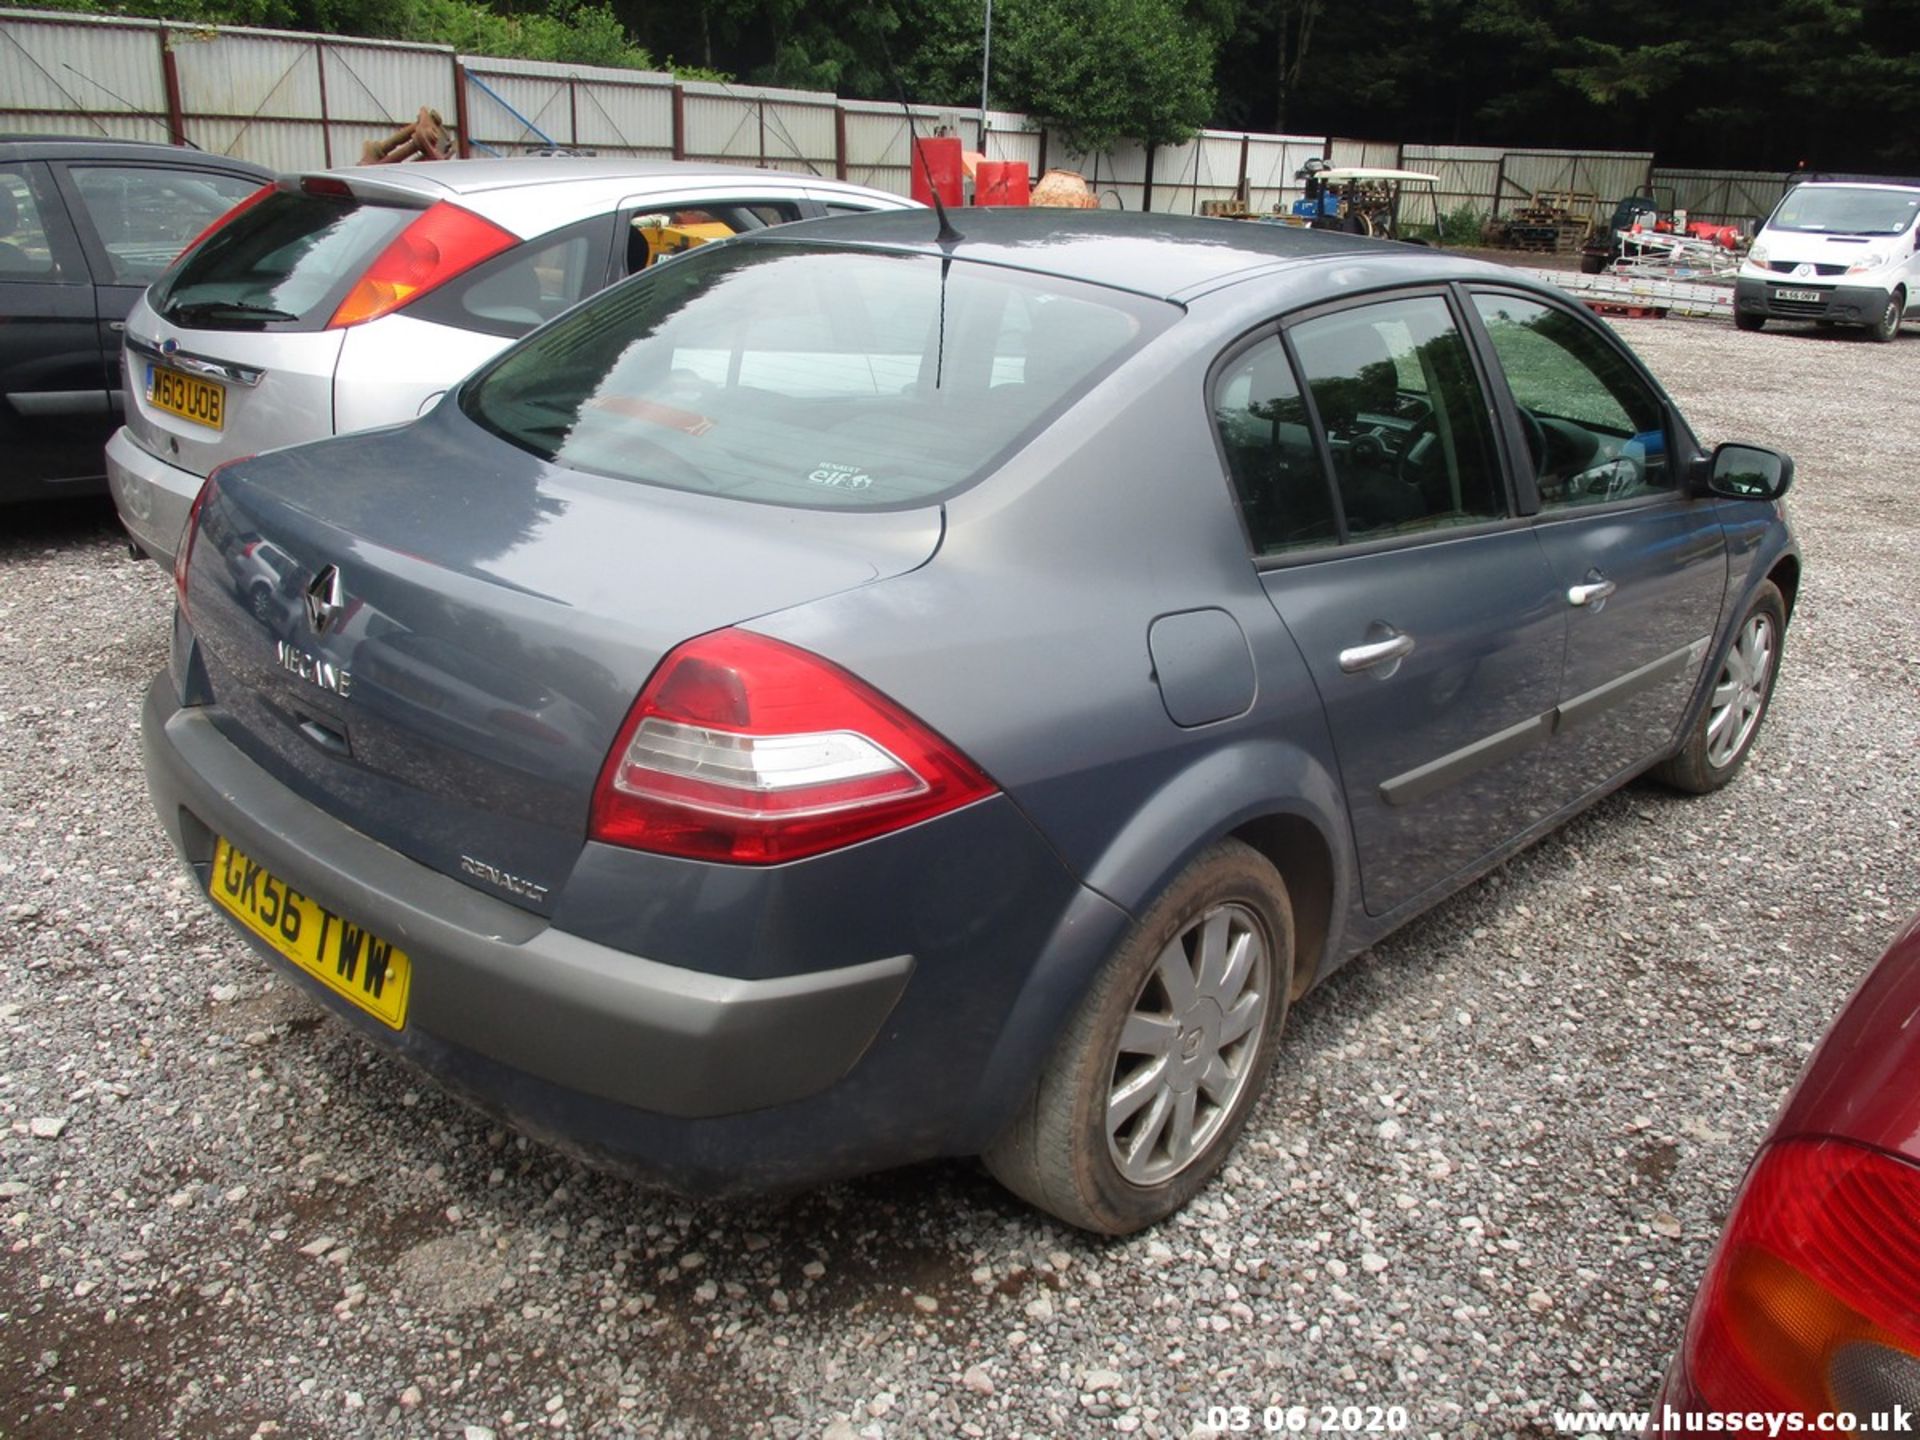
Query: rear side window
x,y
527,286
807,376
280,261
1404,417
1270,453
144,215
24,251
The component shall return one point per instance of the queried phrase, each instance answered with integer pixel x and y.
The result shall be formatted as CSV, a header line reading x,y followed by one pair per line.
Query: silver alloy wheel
x,y
1188,1045
1741,692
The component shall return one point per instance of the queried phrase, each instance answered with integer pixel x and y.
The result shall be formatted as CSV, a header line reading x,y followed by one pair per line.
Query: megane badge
x,y
325,599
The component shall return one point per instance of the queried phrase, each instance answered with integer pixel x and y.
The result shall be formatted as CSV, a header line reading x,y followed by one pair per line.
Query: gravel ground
x,y
1492,1165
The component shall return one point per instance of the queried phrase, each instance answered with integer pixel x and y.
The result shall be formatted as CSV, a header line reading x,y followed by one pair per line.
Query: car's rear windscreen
x,y
280,261
810,376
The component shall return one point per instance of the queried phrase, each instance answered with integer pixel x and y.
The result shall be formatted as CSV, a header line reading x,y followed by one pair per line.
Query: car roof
x,y
1167,257
480,175
82,147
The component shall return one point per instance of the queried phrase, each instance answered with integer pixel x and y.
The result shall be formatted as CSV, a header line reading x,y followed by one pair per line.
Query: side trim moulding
x,y
1436,775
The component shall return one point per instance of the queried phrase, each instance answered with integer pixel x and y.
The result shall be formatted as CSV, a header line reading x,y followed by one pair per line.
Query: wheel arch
x,y
1272,796
1299,850
1276,797
1785,575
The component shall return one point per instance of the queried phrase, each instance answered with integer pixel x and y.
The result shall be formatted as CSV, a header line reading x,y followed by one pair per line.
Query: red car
x,y
1811,1303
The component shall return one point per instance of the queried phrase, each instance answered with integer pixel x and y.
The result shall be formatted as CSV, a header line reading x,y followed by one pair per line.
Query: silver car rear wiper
x,y
209,309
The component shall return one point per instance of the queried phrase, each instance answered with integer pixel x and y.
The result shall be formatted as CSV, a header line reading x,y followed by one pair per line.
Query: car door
x,y
54,415
133,220
1641,565
1365,456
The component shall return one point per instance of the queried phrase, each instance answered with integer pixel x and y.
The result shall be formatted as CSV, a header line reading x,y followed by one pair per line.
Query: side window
x,y
1405,421
659,233
1269,448
146,215
25,252
1595,430
522,289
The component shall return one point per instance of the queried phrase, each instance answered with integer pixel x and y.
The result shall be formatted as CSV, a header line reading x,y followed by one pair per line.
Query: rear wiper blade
x,y
210,309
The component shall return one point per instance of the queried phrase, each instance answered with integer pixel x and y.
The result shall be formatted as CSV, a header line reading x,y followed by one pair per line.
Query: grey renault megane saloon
x,y
859,694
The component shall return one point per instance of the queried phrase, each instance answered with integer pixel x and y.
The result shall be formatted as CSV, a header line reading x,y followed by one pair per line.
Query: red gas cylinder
x,y
938,155
1001,182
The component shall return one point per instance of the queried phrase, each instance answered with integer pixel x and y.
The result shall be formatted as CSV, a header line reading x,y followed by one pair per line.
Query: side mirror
x,y
1748,472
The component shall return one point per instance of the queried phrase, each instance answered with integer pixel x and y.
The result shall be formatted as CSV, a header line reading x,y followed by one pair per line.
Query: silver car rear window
x,y
284,260
808,376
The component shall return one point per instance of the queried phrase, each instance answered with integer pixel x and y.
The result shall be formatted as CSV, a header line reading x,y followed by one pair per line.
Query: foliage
x,y
582,34
1461,226
1100,71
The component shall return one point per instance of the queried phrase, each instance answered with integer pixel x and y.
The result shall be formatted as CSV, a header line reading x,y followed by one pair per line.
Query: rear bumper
x,y
1845,304
153,497
710,1083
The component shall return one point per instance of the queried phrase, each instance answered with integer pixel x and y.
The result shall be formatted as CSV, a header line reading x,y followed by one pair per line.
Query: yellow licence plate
x,y
202,401
362,968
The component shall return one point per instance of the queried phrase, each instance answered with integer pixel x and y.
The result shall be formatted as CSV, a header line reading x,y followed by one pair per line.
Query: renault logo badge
x,y
325,599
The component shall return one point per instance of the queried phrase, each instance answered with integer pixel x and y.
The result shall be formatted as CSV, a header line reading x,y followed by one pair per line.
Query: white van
x,y
1837,253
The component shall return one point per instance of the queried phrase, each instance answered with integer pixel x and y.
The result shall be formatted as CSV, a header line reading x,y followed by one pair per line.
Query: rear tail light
x,y
444,242
1812,1303
239,209
748,750
184,553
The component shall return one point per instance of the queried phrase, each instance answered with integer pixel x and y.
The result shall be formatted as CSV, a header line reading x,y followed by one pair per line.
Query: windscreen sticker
x,y
834,475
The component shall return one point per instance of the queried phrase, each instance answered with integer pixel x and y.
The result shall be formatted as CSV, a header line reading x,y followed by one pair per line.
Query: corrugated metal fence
x,y
298,101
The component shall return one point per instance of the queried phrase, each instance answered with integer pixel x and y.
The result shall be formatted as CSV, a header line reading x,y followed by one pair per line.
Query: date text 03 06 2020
x,y
1307,1419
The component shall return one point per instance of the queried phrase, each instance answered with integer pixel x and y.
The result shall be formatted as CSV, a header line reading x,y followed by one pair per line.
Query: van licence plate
x,y
1805,297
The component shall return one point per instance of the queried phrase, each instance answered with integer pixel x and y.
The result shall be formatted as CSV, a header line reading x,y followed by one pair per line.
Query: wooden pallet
x,y
1627,312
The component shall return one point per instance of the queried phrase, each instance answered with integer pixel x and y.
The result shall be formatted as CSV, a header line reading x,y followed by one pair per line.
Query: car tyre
x,y
1175,1038
260,602
1888,325
1743,320
1731,718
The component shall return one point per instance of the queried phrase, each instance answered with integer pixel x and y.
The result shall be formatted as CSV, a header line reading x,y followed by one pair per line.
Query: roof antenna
x,y
948,235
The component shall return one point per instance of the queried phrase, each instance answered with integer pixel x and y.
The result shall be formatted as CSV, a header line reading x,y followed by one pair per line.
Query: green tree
x,y
1099,71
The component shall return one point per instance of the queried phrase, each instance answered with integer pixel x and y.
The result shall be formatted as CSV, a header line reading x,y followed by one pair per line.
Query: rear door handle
x,y
1592,593
1376,652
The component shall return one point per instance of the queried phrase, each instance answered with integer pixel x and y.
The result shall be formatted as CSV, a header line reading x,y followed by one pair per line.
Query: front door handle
x,y
1390,651
1593,593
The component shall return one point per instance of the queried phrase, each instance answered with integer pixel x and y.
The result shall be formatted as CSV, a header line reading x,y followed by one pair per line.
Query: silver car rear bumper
x,y
153,497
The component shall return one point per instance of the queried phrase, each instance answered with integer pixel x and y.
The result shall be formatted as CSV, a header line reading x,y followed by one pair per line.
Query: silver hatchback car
x,y
338,301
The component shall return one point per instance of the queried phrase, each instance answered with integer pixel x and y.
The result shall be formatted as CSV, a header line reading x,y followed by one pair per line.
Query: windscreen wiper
x,y
229,309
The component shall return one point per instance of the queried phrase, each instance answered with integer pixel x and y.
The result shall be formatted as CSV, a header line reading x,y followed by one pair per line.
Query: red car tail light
x,y
444,242
746,749
240,207
1812,1303
184,554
